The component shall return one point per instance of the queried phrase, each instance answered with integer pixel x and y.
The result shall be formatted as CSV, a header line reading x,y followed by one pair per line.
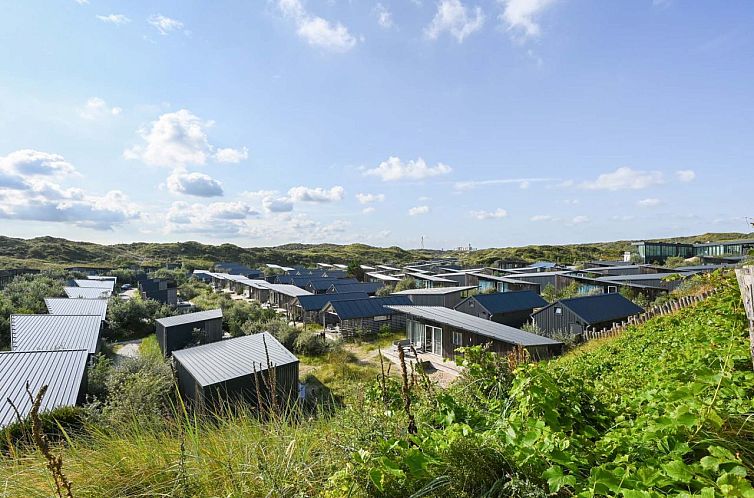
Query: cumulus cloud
x,y
217,218
489,215
178,139
315,30
455,18
394,169
578,220
318,194
542,217
116,19
685,175
625,179
649,202
97,108
384,16
277,204
165,25
369,198
196,184
229,155
33,163
519,16
418,210
522,183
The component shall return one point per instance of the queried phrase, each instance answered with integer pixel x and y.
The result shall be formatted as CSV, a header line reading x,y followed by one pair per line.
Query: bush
x,y
98,375
69,418
193,288
405,284
283,332
311,344
134,318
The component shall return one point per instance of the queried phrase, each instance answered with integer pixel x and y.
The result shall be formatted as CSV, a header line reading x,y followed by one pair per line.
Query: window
x,y
457,338
612,289
558,311
471,304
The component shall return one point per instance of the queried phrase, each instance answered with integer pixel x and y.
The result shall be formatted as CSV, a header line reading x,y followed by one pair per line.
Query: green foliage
x,y
97,376
25,295
311,344
385,290
406,283
355,270
193,288
124,276
56,424
134,318
180,276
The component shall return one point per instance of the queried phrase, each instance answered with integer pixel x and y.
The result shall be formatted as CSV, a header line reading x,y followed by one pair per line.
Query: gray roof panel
x,y
434,290
61,371
232,358
54,332
66,306
199,316
102,284
86,292
474,324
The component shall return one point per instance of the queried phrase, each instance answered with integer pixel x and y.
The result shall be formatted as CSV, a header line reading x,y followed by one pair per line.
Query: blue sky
x,y
490,122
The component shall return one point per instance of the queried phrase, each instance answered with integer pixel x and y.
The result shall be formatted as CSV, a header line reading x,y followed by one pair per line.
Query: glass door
x,y
434,339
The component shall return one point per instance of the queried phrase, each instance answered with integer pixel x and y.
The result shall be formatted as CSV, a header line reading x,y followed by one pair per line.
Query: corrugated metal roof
x,y
66,306
288,290
86,292
641,277
54,332
61,371
102,284
232,358
508,302
435,290
199,316
431,278
383,277
367,308
507,280
476,325
601,307
316,302
368,287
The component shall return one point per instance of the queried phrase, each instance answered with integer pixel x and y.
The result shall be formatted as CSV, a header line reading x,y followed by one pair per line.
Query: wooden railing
x,y
745,278
660,310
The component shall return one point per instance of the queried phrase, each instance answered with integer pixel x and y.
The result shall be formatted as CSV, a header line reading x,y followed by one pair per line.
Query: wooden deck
x,y
430,360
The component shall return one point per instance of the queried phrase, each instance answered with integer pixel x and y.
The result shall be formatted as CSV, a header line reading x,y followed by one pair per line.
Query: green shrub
x,y
134,318
68,418
311,344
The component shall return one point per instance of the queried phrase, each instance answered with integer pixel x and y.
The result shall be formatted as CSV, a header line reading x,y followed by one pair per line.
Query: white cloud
x,y
165,25
258,194
116,19
394,169
649,202
489,215
196,184
217,218
315,30
277,204
685,175
624,179
418,210
523,183
229,155
578,220
455,18
519,16
97,108
318,194
368,210
369,198
384,16
542,217
31,163
82,2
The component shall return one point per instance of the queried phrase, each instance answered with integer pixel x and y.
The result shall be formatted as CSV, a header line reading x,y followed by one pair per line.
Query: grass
x,y
150,347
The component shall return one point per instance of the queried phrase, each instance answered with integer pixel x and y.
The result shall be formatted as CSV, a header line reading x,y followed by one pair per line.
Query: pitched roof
x,y
232,358
102,284
86,292
199,316
61,371
368,287
383,277
434,290
66,306
431,278
601,307
316,302
288,290
477,325
508,302
367,308
54,332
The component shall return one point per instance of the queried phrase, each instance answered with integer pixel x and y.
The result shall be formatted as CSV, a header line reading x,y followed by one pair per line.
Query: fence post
x,y
745,278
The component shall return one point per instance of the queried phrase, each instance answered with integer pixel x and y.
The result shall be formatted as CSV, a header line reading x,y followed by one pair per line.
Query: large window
x,y
415,333
457,338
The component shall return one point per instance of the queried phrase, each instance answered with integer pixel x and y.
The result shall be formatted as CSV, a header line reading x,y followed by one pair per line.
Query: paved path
x,y
126,349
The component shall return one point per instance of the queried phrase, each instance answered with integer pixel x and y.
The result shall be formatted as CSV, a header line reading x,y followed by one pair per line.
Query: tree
x,y
549,293
355,270
385,290
406,283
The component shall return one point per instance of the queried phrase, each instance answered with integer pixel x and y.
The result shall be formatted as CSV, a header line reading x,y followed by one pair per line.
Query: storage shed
x,y
177,332
364,316
448,297
440,331
63,372
509,308
573,316
66,306
55,332
236,369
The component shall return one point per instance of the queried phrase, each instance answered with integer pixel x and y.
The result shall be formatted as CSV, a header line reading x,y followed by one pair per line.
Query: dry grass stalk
x,y
406,392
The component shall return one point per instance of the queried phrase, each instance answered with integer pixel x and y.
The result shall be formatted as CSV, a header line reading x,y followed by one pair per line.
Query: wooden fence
x,y
745,278
660,310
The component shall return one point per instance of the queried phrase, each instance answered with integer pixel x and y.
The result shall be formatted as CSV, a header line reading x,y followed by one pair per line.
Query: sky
x,y
484,122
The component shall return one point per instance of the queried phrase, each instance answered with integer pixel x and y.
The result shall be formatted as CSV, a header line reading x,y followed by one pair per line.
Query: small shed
x,y
63,372
177,332
364,316
66,306
55,332
162,291
573,316
236,370
509,308
440,331
447,297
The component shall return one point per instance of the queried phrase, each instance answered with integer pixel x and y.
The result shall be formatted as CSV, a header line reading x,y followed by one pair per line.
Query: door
x,y
434,339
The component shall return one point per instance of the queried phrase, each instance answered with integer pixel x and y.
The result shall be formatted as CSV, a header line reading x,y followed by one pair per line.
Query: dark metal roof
x,y
476,325
431,278
367,308
368,287
508,302
54,332
232,358
102,284
199,316
66,306
507,280
601,307
434,291
316,302
642,277
61,371
86,292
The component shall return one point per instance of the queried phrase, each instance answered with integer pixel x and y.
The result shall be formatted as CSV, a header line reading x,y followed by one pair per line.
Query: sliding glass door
x,y
433,339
